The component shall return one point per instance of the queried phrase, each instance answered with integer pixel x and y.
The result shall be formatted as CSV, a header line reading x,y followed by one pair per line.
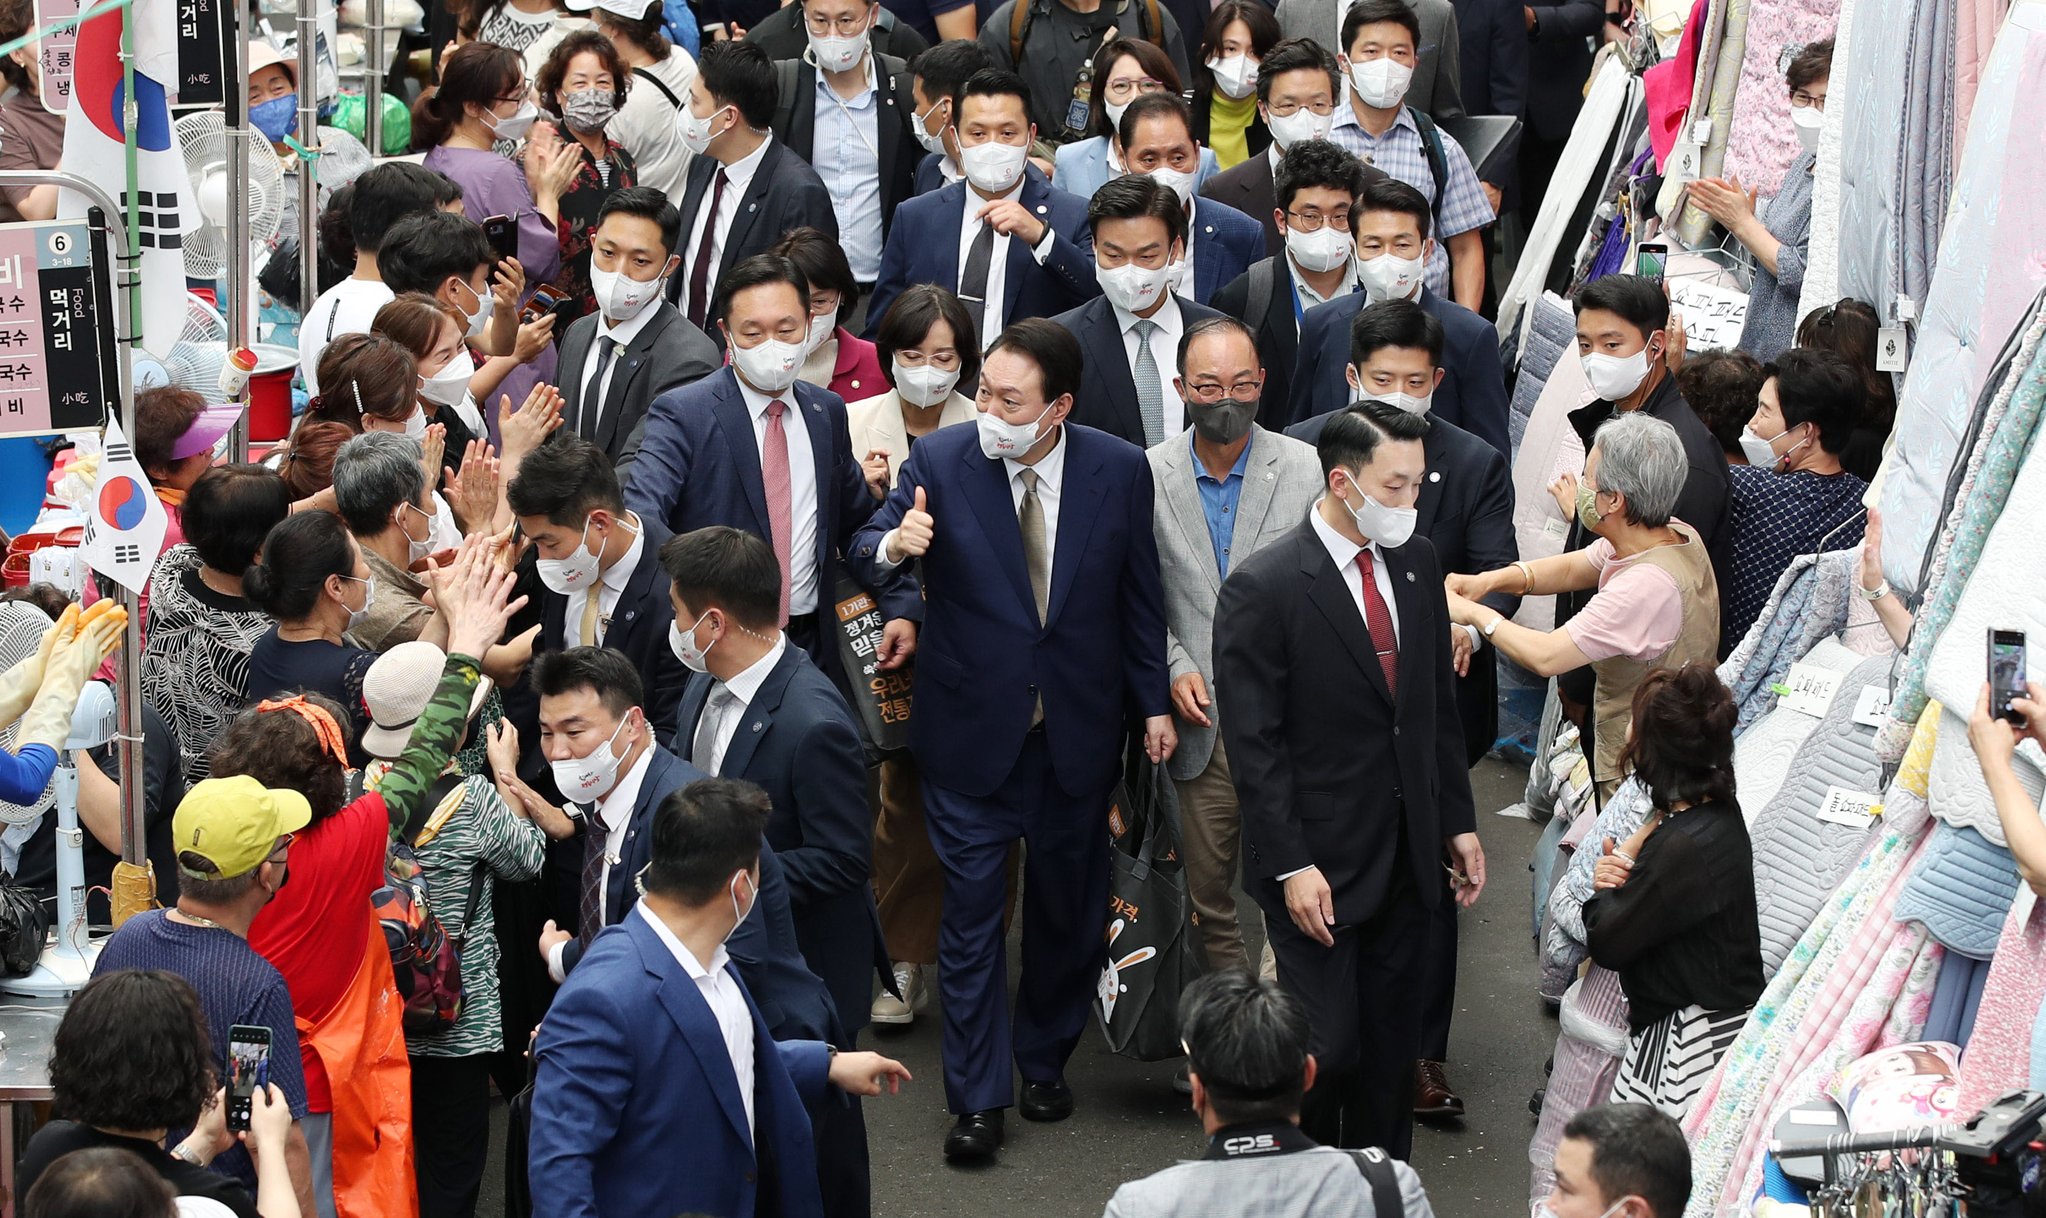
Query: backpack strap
x,y
445,797
1019,27
784,95
1438,168
1264,280
1153,17
1376,1167
477,874
660,85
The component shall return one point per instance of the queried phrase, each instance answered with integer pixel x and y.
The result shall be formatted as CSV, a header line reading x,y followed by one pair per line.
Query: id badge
x,y
1076,114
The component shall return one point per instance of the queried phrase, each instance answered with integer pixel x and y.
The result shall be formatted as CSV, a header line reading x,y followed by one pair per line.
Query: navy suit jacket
x,y
699,465
785,193
1277,326
923,247
983,660
637,1111
1472,394
1225,243
930,174
1107,400
638,628
798,742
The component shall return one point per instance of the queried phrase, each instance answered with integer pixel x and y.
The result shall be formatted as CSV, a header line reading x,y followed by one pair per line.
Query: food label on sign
x,y
56,50
1809,689
54,360
1872,709
1854,809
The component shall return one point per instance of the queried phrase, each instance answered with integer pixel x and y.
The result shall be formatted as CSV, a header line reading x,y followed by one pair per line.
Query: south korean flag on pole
x,y
125,522
94,148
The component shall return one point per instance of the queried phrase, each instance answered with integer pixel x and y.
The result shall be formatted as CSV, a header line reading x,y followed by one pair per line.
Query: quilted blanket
x,y
1551,338
1591,1038
1690,223
1764,749
1822,256
1999,1055
1962,889
1974,38
1809,603
1563,938
1548,446
1761,143
1992,261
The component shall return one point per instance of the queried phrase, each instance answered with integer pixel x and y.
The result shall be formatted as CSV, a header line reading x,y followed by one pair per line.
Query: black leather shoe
x,y
975,1137
1052,1101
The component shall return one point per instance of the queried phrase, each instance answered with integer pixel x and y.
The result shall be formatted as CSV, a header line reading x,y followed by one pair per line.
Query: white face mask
x,y
999,438
1389,527
696,132
1302,124
933,141
514,127
583,780
620,296
822,327
1404,401
565,575
1133,288
414,550
1114,111
993,167
1381,82
1324,249
683,644
739,915
770,367
1613,377
369,597
1762,453
1235,75
1808,120
415,425
838,53
923,384
448,386
1390,277
1178,181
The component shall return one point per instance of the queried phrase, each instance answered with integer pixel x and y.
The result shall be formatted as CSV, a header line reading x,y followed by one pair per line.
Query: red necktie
x,y
699,273
1378,620
774,473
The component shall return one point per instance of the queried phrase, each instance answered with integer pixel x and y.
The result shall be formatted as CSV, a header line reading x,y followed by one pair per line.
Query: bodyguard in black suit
x,y
1129,335
1348,762
745,188
782,36
937,77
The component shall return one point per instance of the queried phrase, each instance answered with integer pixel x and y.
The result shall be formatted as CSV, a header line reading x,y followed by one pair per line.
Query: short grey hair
x,y
374,473
1640,457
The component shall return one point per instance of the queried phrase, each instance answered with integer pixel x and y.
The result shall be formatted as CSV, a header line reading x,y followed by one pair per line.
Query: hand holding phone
x,y
1651,260
2007,674
545,298
503,234
248,1068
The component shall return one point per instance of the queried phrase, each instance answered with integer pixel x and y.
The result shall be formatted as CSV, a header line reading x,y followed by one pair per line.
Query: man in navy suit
x,y
1130,333
660,1087
1390,223
1004,238
1465,510
724,451
936,79
1155,139
745,187
1047,627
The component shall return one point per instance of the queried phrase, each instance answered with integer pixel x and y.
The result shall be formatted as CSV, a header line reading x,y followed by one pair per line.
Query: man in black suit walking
x,y
1348,762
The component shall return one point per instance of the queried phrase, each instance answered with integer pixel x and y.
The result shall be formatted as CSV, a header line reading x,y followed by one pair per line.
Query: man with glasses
x,y
896,31
1225,488
1297,87
1051,43
1316,187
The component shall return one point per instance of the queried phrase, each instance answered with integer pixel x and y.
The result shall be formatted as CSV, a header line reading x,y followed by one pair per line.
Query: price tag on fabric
x,y
1872,709
1854,809
1556,528
1893,349
1809,689
1685,160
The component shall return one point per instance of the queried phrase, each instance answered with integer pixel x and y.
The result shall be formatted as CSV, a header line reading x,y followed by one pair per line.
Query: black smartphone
x,y
1651,260
543,301
2006,673
248,1067
503,232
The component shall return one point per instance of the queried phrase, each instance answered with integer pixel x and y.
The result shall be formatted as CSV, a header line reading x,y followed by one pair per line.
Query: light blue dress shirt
x,y
846,154
1218,502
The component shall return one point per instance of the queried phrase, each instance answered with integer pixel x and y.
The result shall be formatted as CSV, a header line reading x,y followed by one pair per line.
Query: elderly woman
x,y
1673,911
320,931
1657,604
1792,497
1780,235
380,491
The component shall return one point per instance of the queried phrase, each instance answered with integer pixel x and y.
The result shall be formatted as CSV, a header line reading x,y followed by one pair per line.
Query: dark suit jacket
x,y
667,353
1493,35
930,173
1559,62
983,660
924,248
782,36
785,193
1466,513
638,629
1278,336
1330,769
1248,188
636,1109
1225,243
796,124
1472,394
798,743
1107,400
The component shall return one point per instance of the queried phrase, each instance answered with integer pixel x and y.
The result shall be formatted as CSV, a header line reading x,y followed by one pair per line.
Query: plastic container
x,y
270,392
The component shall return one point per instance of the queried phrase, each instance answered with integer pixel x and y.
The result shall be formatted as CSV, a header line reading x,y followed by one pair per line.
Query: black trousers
x,y
450,1132
1364,1016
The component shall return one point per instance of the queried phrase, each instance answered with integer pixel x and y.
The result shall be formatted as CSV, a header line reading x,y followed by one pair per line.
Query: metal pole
x,y
373,68
239,276
309,137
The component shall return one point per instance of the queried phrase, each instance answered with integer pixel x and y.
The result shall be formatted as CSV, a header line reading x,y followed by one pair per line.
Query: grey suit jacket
x,y
1322,1182
1280,482
1434,90
667,354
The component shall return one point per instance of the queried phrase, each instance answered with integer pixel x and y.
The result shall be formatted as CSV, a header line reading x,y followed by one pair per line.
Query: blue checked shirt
x,y
1400,153
845,153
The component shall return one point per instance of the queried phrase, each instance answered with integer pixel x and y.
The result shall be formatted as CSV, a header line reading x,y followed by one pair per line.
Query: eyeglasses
x,y
1209,393
1817,101
283,848
1312,221
1287,109
847,23
1124,88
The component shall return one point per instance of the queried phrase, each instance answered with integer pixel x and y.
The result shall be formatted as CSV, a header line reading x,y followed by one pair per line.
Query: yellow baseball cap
x,y
234,824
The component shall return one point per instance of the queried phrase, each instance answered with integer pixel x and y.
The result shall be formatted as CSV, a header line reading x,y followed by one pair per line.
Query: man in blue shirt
x,y
1225,488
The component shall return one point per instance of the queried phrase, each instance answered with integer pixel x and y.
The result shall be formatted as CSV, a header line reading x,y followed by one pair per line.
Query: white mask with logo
x,y
1382,82
1235,75
1303,124
770,367
993,167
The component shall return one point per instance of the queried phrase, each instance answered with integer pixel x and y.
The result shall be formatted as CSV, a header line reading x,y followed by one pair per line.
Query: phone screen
x,y
2006,672
1650,260
248,1067
503,234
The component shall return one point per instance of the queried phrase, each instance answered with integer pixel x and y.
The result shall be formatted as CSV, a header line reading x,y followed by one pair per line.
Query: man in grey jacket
x,y
1434,90
1246,1042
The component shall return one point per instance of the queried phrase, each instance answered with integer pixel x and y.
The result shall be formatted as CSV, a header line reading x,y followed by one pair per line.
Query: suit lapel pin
x,y
757,724
752,207
1434,475
1268,475
1041,209
1410,577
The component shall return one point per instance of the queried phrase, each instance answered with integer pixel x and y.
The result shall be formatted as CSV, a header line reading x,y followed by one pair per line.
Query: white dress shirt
x,y
728,702
727,1004
802,490
1343,552
1308,297
614,812
1164,352
738,176
595,395
845,152
991,320
609,587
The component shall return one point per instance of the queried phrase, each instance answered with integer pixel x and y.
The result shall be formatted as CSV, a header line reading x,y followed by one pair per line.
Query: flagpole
x,y
128,664
239,140
373,78
309,160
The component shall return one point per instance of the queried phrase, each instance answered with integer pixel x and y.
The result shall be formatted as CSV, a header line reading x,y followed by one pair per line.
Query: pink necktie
x,y
774,473
1378,620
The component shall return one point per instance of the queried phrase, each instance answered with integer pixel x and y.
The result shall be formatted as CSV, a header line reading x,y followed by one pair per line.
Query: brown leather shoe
x,y
1433,1100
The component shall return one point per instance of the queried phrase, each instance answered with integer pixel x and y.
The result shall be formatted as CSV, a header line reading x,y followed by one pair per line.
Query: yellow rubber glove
x,y
18,685
71,665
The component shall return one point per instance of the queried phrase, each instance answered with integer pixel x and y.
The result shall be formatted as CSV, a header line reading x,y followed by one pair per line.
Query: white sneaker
x,y
887,1008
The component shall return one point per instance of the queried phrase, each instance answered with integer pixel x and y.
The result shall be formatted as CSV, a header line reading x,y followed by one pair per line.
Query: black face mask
x,y
1224,422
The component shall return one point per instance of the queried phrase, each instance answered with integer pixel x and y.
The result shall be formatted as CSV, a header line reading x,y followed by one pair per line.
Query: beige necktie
x,y
1036,561
591,600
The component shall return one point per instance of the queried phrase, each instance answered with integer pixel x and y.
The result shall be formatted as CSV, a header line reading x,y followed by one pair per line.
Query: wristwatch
x,y
1872,594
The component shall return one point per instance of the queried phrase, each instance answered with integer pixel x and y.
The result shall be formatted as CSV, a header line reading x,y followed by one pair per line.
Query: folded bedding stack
x,y
1764,749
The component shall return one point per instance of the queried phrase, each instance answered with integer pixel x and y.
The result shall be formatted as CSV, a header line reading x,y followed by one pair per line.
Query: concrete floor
x,y
1130,1122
